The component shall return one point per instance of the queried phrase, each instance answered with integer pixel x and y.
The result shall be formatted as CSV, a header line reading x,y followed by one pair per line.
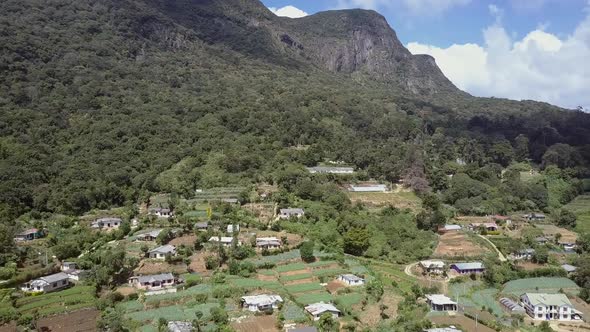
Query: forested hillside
x,y
103,102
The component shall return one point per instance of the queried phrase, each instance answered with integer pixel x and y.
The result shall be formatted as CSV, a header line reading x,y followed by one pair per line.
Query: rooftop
x,y
548,299
469,266
320,308
29,231
351,277
263,299
165,249
569,268
153,233
304,329
155,278
178,326
55,277
222,239
439,299
429,263
291,210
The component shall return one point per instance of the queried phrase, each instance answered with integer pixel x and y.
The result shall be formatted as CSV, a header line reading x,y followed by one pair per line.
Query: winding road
x,y
501,256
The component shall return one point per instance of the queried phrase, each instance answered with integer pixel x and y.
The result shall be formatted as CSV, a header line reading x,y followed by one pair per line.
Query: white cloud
x,y
540,66
288,11
412,7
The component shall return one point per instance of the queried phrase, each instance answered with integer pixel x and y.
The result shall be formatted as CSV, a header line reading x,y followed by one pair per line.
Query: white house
x,y
330,170
161,212
288,213
316,310
261,302
180,326
440,302
367,188
432,266
268,243
107,223
449,228
47,284
226,241
71,269
542,306
162,252
526,254
233,228
149,236
351,280
153,282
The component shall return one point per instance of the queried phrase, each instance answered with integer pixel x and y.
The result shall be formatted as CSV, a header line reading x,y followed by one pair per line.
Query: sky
x,y
517,49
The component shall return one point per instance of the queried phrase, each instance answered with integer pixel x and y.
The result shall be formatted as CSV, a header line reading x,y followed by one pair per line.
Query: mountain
x,y
105,101
357,42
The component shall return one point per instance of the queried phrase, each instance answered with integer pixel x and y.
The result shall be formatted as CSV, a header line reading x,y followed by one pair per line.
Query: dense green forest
x,y
105,101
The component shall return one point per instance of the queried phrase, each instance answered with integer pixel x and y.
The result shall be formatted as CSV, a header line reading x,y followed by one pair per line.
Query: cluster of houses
x,y
539,306
69,273
291,213
438,267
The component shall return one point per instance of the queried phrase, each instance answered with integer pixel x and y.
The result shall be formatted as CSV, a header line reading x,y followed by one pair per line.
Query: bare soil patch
x,y
10,327
126,290
528,265
80,321
292,273
266,278
300,281
459,320
334,286
187,240
458,244
552,230
154,267
198,263
263,211
256,323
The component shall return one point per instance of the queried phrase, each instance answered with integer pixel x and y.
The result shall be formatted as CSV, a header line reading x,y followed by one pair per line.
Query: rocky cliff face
x,y
355,42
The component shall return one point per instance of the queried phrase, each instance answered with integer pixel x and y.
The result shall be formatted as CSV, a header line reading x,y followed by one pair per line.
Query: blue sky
x,y
519,49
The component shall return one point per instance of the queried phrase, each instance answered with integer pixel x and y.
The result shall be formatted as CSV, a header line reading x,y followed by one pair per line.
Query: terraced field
x,y
75,298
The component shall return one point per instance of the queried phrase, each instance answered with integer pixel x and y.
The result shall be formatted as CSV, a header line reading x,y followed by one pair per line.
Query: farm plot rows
x,y
545,285
72,299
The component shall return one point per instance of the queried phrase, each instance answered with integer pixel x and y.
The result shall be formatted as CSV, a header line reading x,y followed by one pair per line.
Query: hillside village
x,y
246,259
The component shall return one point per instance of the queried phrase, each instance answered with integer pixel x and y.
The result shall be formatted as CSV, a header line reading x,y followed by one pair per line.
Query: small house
x,y
233,228
161,212
488,226
435,266
65,266
180,326
262,302
289,213
468,268
525,254
443,329
230,200
149,236
368,188
316,310
512,306
440,302
567,246
202,226
29,235
351,280
153,282
162,252
107,223
449,228
47,284
569,268
303,329
534,217
541,240
330,170
268,243
542,306
71,269
225,241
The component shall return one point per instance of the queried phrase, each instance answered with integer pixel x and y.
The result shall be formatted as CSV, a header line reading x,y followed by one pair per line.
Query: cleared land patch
x,y
458,244
75,298
401,199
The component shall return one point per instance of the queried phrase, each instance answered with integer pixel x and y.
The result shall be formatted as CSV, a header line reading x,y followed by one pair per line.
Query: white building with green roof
x,y
542,306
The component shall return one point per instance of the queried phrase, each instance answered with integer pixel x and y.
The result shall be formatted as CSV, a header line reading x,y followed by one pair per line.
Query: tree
x,y
541,255
375,289
164,237
566,218
327,323
306,251
197,321
219,315
356,241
